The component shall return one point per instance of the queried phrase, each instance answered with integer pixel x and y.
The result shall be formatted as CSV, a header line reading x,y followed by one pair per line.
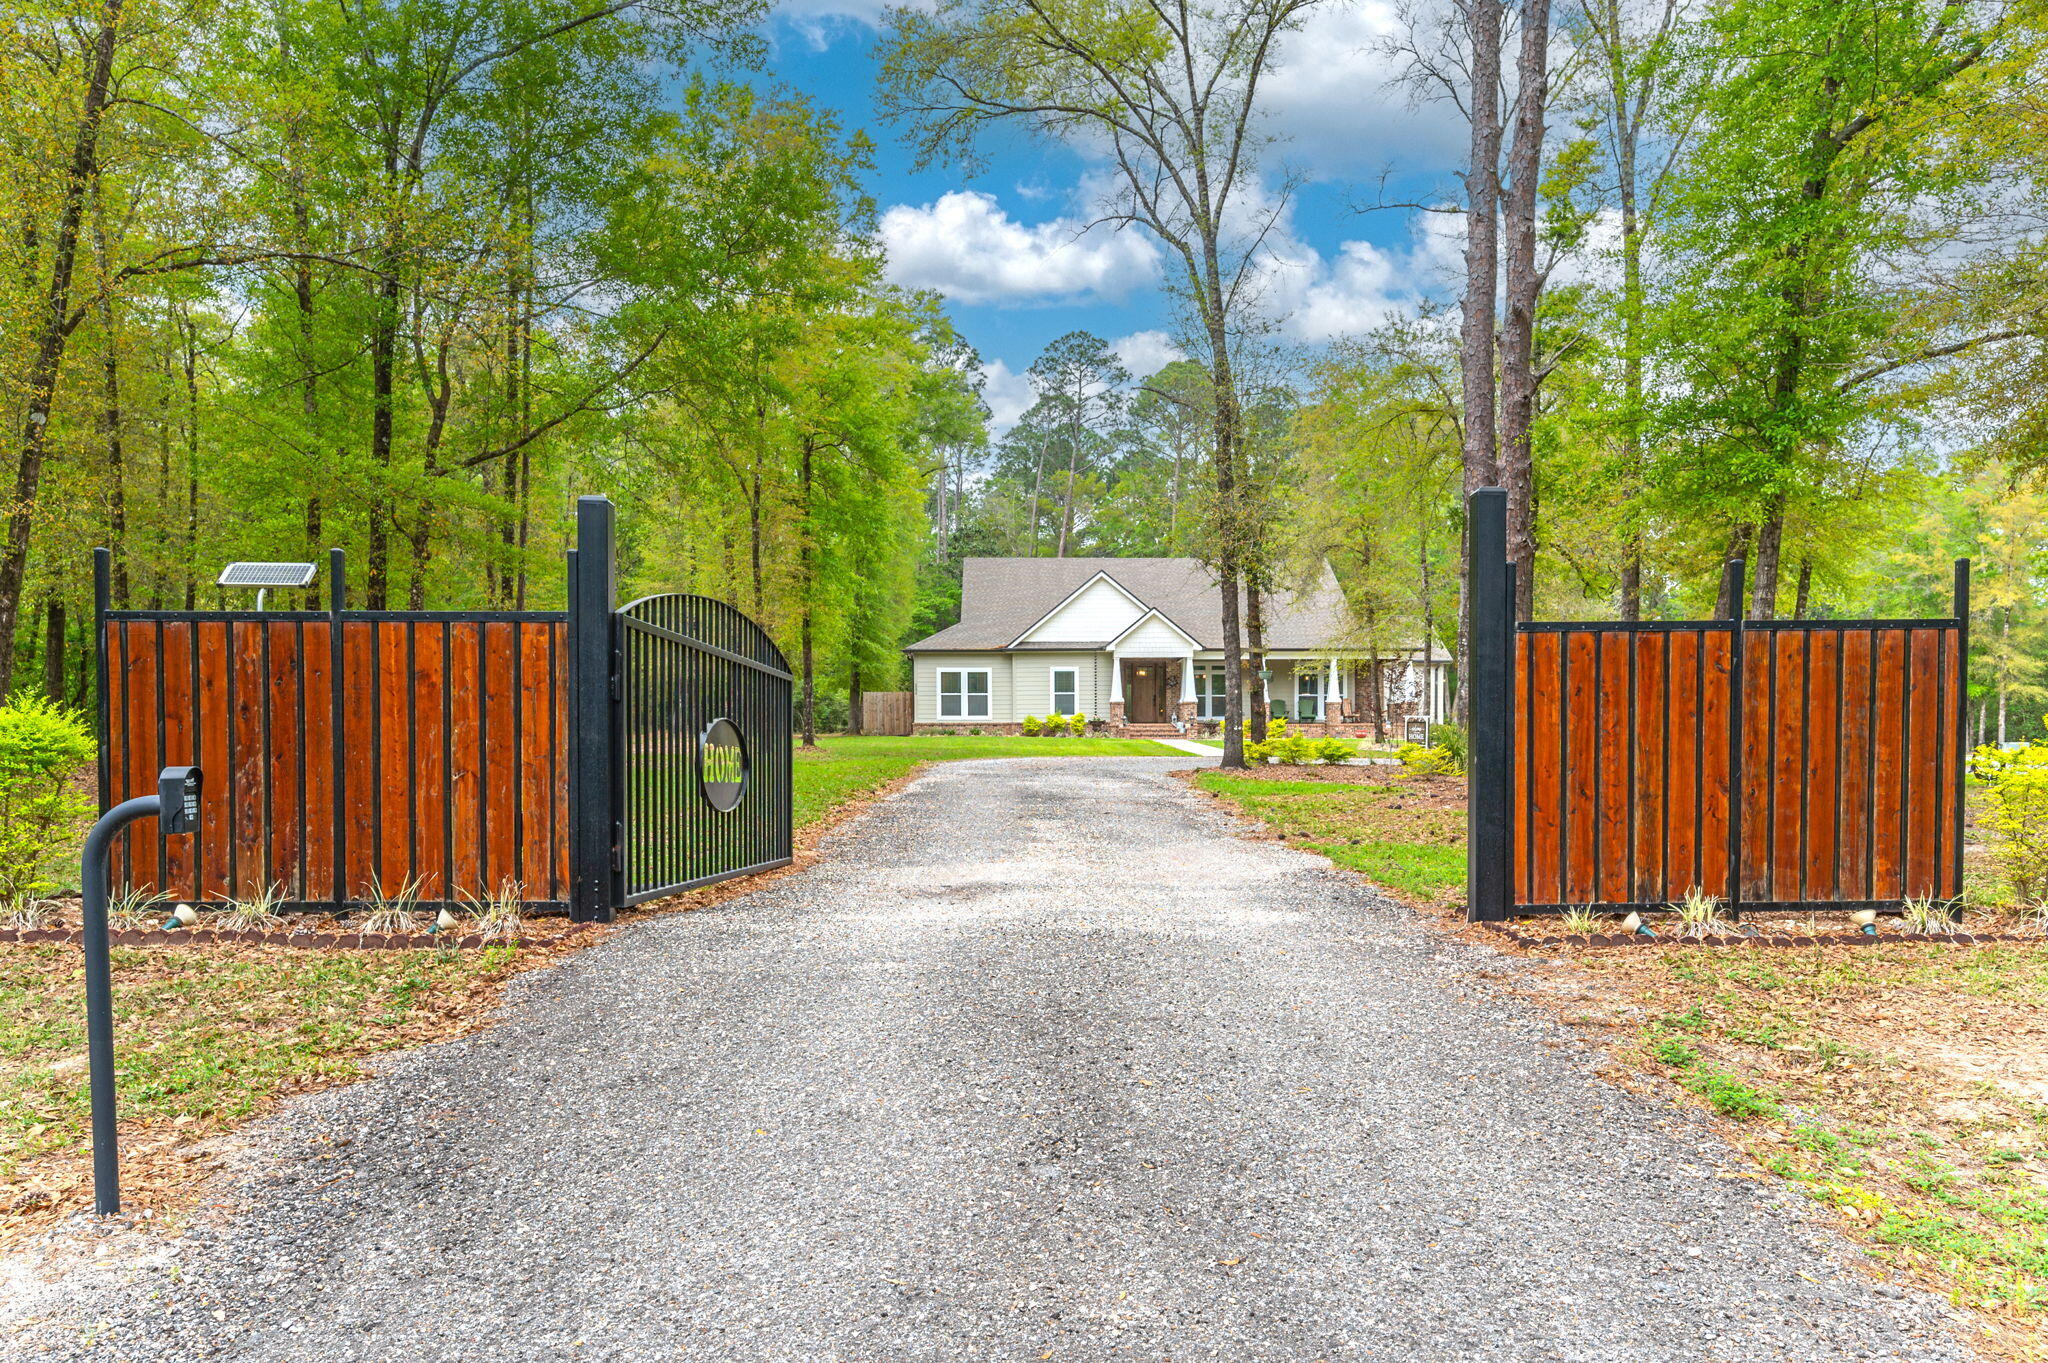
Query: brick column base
x,y
1186,710
1116,714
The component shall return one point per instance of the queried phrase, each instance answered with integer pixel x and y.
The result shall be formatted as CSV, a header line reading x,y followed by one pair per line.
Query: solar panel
x,y
267,575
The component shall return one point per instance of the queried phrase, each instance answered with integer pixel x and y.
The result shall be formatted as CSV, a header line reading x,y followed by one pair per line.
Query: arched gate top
x,y
708,621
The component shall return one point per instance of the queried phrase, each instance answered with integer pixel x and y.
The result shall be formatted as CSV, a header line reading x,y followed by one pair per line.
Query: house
x,y
1136,644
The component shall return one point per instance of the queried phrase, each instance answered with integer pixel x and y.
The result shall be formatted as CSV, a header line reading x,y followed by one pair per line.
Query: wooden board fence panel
x,y
886,712
1784,764
452,747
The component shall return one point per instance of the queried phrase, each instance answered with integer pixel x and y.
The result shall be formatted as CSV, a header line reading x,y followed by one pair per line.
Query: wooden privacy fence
x,y
348,755
884,712
1792,765
440,756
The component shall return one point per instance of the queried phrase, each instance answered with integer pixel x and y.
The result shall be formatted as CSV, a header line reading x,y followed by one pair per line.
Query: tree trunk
x,y
110,421
1518,380
1800,602
1227,545
383,369
191,330
1255,643
1770,536
1482,276
1729,597
53,329
2004,643
854,693
53,651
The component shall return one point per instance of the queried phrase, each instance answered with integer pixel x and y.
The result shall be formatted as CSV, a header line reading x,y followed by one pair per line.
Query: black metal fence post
x,y
1962,775
337,660
1735,573
1487,834
592,598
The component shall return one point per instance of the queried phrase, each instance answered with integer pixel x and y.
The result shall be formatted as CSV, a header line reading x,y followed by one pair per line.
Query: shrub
x,y
2018,810
1335,749
1077,725
1427,761
43,748
1031,726
1452,739
1289,749
1276,727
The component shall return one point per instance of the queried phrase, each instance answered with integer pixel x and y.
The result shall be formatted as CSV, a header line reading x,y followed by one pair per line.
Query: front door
x,y
1145,692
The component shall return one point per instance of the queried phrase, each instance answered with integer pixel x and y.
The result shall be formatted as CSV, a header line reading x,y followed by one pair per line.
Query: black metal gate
x,y
689,740
704,730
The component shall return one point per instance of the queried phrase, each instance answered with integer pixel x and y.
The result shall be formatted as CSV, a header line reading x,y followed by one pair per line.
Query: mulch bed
x,y
317,940
1546,940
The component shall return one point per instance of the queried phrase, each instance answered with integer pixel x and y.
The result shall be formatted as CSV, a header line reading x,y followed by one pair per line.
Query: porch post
x,y
1116,679
1330,696
1187,679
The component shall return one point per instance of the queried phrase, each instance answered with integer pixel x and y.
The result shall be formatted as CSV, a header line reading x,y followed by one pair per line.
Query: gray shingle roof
x,y
1000,598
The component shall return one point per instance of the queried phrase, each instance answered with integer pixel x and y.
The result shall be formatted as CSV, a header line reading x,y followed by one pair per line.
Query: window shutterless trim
x,y
965,694
1072,690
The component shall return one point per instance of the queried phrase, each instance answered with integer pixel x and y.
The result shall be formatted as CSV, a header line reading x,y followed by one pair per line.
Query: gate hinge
x,y
618,847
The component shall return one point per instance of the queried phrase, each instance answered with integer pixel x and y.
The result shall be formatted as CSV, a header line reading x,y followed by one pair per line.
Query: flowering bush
x,y
2018,810
43,748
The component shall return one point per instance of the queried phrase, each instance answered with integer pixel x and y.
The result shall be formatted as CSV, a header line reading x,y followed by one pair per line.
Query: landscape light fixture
x,y
264,576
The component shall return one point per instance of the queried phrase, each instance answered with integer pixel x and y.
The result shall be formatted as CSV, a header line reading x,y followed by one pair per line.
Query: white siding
x,y
1100,612
1154,639
1032,690
928,666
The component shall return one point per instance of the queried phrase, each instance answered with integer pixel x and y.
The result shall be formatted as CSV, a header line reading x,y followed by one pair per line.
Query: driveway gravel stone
x,y
1038,1062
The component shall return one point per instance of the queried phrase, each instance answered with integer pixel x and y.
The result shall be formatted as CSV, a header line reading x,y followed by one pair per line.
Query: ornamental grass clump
x,y
395,912
258,913
1931,916
1699,914
1580,921
44,747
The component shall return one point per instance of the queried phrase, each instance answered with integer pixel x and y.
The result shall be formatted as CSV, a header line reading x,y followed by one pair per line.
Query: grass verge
x,y
1404,832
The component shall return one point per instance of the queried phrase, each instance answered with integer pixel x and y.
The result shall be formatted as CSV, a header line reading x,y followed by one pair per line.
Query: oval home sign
x,y
722,765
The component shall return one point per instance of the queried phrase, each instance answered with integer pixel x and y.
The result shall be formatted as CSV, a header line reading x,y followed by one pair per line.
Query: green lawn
x,y
842,768
1400,831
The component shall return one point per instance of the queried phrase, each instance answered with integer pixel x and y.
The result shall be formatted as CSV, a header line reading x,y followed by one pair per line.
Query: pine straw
x,y
206,1039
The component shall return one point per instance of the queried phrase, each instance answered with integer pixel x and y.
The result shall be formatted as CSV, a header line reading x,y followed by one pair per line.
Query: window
x,y
1209,690
963,693
1308,692
1065,693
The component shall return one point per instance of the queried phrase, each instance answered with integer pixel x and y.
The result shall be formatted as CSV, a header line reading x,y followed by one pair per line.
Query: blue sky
x,y
1005,245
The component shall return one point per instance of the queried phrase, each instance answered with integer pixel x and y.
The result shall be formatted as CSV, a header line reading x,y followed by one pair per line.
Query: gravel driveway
x,y
1038,1063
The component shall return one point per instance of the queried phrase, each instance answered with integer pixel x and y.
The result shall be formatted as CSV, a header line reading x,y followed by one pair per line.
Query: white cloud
x,y
1008,395
1332,96
1145,353
1311,298
966,246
